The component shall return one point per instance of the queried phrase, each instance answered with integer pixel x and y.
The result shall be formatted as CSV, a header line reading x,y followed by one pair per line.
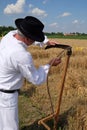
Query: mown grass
x,y
34,102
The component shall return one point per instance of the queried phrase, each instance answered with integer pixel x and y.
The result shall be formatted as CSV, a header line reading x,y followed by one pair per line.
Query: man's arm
x,y
45,42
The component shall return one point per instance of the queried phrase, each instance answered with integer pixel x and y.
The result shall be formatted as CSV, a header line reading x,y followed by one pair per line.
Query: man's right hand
x,y
55,61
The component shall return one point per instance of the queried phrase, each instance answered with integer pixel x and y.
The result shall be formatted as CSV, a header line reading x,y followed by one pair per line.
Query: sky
x,y
65,16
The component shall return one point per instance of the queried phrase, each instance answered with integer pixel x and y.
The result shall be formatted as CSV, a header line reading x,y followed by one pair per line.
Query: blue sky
x,y
57,15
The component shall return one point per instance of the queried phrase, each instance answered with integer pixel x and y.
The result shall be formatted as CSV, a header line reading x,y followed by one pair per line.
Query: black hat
x,y
31,27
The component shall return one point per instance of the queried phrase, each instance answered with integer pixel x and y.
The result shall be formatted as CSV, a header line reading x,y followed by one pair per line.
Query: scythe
x,y
55,115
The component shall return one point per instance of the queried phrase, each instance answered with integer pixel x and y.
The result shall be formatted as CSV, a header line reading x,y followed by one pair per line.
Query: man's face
x,y
29,41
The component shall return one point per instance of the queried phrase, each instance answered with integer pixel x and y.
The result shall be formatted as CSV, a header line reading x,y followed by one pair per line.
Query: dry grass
x,y
34,101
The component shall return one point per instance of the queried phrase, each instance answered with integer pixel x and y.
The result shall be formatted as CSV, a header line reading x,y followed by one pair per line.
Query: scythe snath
x,y
55,115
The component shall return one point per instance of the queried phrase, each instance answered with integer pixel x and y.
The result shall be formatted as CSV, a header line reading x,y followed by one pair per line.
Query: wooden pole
x,y
62,88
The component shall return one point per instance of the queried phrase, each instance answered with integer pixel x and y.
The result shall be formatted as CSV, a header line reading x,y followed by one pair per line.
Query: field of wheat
x,y
34,103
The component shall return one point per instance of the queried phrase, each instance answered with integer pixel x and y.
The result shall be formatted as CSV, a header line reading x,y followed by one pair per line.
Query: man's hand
x,y
51,43
55,61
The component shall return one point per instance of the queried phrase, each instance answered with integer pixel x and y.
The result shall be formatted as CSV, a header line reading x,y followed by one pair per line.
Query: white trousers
x,y
8,111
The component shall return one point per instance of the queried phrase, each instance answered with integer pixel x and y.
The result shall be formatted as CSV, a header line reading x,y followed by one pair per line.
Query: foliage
x,y
4,30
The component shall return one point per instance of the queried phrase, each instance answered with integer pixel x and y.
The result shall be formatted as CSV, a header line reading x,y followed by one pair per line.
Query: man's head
x,y
31,28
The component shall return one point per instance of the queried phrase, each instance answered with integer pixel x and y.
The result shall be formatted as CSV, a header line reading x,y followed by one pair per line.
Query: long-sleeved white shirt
x,y
41,44
16,64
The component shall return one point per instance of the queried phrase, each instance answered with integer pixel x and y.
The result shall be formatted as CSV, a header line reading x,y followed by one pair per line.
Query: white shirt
x,y
41,44
16,64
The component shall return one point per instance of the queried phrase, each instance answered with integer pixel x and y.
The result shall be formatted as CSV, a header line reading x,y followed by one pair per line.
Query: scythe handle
x,y
56,115
69,52
62,88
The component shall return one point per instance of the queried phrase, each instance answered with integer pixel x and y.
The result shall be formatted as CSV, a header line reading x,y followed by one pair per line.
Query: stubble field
x,y
34,101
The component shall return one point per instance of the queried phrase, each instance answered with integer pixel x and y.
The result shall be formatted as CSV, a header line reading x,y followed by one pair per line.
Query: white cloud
x,y
75,21
38,12
30,5
45,1
54,25
65,14
15,8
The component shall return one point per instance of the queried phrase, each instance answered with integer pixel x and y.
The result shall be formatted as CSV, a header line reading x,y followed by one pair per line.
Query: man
x,y
16,64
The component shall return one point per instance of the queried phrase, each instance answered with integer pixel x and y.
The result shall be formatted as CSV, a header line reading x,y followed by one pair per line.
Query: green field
x,y
68,37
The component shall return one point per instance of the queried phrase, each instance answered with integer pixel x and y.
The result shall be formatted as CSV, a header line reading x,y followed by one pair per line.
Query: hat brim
x,y
36,37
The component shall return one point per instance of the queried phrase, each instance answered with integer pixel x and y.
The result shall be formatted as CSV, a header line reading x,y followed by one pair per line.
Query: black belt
x,y
9,91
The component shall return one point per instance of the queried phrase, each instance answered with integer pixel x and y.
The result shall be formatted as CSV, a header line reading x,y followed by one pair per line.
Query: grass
x,y
34,101
68,37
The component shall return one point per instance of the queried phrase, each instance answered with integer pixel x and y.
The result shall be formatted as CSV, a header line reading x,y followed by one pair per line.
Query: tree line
x,y
4,30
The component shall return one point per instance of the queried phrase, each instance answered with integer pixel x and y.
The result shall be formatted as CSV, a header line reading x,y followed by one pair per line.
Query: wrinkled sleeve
x,y
41,44
24,64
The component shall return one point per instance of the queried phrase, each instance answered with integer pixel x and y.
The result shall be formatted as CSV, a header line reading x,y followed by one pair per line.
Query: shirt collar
x,y
20,42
